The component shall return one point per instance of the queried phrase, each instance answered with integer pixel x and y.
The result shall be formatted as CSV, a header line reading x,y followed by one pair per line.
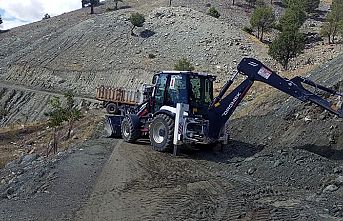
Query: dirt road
x,y
62,188
133,182
243,182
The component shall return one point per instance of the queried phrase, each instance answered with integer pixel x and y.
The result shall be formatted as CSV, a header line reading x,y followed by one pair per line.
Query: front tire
x,y
129,130
161,133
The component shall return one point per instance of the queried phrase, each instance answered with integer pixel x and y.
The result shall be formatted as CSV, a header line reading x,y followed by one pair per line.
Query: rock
x,y
10,191
330,188
339,180
11,164
307,119
249,159
332,140
29,158
338,169
277,163
251,170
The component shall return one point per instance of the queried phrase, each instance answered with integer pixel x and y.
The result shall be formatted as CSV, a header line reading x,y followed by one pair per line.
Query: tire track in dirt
x,y
140,184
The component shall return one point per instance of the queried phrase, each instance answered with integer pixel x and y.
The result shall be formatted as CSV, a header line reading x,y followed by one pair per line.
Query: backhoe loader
x,y
181,108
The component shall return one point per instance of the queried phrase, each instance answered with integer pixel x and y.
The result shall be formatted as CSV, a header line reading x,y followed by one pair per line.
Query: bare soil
x,y
63,187
243,182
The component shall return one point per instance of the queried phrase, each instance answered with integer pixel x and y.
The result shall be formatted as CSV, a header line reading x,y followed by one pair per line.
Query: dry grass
x,y
36,137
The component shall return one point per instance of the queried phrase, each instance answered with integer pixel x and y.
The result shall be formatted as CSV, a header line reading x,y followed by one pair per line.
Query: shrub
x,y
213,12
248,29
137,20
183,65
151,56
286,46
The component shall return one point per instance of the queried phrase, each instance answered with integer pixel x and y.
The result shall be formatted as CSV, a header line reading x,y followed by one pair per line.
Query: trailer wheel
x,y
112,108
130,129
161,133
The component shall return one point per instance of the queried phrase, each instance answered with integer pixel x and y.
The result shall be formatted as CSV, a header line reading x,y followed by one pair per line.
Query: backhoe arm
x,y
221,108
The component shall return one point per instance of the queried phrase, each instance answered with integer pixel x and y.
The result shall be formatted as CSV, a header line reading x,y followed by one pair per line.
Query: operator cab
x,y
194,89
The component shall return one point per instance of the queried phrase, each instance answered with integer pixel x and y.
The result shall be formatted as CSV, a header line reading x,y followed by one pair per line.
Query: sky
x,y
19,12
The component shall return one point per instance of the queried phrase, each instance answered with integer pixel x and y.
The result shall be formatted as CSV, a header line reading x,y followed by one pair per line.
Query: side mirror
x,y
154,79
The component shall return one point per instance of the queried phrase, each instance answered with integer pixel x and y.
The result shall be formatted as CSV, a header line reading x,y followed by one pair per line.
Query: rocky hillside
x,y
78,51
100,49
282,121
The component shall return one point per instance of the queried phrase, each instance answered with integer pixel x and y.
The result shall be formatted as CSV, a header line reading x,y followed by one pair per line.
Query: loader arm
x,y
222,108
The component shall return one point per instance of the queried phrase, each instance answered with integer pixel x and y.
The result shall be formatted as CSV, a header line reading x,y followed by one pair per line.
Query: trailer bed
x,y
118,95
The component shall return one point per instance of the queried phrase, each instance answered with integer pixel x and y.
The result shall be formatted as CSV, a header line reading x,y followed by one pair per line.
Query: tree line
x,y
290,40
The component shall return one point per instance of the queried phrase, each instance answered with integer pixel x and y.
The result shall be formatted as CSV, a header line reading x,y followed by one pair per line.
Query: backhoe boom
x,y
221,108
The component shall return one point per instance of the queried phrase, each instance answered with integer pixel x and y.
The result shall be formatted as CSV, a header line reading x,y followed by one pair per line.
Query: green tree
x,y
56,117
287,46
295,3
72,113
137,20
214,12
263,19
306,5
293,19
62,113
1,20
333,21
183,65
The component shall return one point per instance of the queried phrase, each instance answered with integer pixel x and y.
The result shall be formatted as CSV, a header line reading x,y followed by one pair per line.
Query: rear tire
x,y
129,130
112,108
161,133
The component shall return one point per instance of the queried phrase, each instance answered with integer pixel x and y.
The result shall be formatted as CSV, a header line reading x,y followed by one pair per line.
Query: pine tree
x,y
306,5
137,20
56,117
293,19
263,19
334,20
287,46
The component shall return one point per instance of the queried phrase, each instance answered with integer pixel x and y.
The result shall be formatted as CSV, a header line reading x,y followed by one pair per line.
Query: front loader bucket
x,y
113,125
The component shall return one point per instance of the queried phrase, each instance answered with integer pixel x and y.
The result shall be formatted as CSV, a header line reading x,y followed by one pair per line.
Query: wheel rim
x,y
159,132
126,129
